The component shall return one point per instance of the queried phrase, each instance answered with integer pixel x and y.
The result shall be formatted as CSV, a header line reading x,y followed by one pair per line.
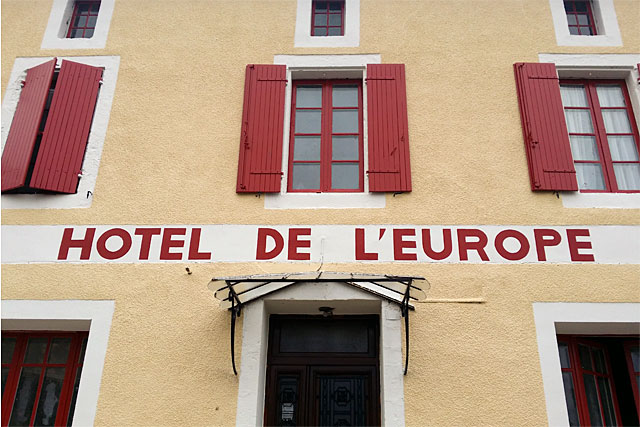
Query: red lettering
x,y
145,244
399,244
428,250
575,246
541,242
295,243
512,256
124,248
261,250
168,243
194,246
85,243
361,255
464,245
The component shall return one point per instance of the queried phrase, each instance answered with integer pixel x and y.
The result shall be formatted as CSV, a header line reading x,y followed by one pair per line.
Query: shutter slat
x,y
18,149
67,130
544,128
260,156
388,129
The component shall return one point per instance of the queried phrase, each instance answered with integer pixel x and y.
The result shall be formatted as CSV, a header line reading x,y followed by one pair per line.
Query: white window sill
x,y
325,201
601,200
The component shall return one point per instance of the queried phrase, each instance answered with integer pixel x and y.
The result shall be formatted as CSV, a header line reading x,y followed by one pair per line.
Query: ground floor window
x,y
41,376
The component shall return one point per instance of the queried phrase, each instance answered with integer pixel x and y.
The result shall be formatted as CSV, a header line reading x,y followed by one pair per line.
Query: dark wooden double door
x,y
323,371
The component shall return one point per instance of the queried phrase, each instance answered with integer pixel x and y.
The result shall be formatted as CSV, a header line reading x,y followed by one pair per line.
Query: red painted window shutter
x,y
389,166
24,126
66,133
260,162
544,128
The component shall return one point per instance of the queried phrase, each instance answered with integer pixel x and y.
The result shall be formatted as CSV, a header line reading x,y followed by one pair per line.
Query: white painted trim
x,y
97,134
351,37
96,317
305,298
600,200
606,24
581,318
55,35
325,201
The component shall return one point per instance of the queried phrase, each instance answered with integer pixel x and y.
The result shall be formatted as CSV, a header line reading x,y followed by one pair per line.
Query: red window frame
x,y
77,14
633,374
73,365
571,9
328,13
600,133
326,137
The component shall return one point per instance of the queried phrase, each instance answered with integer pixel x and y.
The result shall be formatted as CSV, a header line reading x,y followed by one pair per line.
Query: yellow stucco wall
x,y
170,157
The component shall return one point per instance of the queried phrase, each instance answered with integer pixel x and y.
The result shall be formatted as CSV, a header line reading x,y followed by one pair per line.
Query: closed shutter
x,y
260,159
18,149
544,128
59,161
389,165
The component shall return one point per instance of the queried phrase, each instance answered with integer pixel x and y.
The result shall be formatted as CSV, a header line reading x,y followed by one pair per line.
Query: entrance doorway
x,y
323,371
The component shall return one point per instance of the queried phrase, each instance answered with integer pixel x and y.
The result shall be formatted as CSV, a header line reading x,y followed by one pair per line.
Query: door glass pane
x,y
49,397
616,121
341,400
306,148
563,349
345,121
590,178
309,96
8,345
345,96
607,401
345,147
308,121
592,400
570,396
584,147
35,350
287,401
306,176
578,121
318,335
610,96
622,147
573,96
345,176
25,397
59,351
627,175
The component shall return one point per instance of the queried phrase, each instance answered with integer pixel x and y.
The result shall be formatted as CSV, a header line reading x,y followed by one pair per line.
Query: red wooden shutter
x,y
18,149
66,133
260,162
544,128
389,166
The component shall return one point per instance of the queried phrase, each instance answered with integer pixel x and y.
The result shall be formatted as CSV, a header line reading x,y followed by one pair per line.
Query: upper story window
x,y
603,135
84,19
580,17
327,18
325,153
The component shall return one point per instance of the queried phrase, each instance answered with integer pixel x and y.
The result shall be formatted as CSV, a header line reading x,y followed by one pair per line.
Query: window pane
x,y
598,360
5,374
610,96
607,401
345,121
345,96
574,31
592,400
83,8
578,121
584,147
49,397
308,121
288,398
92,21
570,396
573,96
627,175
571,18
72,407
319,336
95,7
616,121
321,6
335,31
320,31
335,19
563,349
88,33
309,96
306,148
585,31
82,350
81,21
320,19
75,34
635,358
25,397
568,6
8,345
589,178
345,148
623,148
35,350
583,19
335,6
306,176
59,351
345,176
581,6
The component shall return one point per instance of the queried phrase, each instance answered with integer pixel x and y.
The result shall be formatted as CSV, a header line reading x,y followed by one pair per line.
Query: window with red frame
x,y
83,20
326,151
40,377
603,135
600,388
327,18
580,17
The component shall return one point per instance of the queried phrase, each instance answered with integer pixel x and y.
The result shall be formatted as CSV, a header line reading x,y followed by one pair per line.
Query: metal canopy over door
x,y
323,371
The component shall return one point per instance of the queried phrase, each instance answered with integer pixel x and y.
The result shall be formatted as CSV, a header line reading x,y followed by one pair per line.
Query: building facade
x,y
414,212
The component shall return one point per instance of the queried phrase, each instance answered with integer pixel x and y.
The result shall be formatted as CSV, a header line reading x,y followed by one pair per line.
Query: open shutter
x,y
544,128
389,166
21,140
59,161
260,162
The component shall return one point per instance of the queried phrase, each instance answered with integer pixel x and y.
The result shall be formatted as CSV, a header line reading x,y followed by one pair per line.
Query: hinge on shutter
x,y
22,83
380,78
272,80
383,171
558,171
266,173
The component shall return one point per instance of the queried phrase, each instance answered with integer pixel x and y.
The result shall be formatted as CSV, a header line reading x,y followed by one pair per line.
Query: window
x,y
327,18
599,389
40,376
325,153
580,17
603,135
84,19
